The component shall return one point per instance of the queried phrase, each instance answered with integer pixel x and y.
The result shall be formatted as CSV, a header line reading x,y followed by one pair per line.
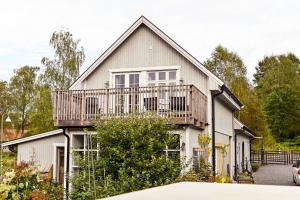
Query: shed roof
x,y
241,128
33,137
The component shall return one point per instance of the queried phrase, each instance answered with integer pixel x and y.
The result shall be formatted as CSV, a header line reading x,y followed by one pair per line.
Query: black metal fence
x,y
274,157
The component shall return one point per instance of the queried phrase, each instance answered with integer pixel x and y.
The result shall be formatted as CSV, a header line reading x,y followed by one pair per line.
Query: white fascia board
x,y
238,123
31,138
231,101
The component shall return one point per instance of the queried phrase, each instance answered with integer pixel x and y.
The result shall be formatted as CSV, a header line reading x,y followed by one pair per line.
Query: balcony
x,y
182,104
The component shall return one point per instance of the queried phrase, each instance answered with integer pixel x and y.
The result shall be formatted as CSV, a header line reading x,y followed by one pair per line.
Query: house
x,y
145,71
243,137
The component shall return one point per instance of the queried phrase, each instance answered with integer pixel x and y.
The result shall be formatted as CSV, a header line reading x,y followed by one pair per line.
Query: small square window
x,y
162,75
151,76
172,75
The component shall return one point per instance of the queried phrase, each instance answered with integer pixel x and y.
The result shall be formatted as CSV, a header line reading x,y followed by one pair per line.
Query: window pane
x,y
161,90
162,75
172,75
120,81
151,76
134,80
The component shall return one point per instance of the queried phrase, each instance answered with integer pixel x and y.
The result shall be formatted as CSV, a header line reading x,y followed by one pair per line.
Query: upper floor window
x,y
162,78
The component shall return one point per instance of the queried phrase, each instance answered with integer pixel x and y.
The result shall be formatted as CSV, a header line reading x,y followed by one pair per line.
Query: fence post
x,y
262,156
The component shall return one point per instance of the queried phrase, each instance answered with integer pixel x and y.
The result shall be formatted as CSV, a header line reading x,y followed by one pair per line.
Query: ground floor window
x,y
173,149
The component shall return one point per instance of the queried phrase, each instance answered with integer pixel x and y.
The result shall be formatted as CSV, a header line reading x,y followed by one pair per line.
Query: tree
x,y
278,87
41,112
132,157
22,86
5,100
59,73
4,94
63,70
228,66
282,112
269,62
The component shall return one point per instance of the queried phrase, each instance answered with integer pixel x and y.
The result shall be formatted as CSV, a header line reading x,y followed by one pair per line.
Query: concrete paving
x,y
272,174
212,191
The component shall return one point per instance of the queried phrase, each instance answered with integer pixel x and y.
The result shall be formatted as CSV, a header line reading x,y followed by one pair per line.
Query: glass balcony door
x,y
126,94
163,79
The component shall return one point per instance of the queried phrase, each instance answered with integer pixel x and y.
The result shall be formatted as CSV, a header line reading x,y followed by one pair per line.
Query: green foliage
x,y
230,68
132,157
23,89
290,144
24,182
63,70
41,111
227,65
5,100
255,166
190,176
204,139
278,86
281,108
220,178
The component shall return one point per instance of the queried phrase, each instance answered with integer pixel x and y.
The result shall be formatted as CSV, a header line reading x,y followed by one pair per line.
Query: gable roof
x,y
144,21
33,137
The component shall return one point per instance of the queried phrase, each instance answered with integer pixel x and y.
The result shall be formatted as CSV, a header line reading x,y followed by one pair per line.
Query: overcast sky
x,y
253,28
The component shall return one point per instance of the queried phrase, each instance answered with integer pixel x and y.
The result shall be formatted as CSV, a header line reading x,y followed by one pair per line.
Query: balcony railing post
x,y
191,101
107,102
82,108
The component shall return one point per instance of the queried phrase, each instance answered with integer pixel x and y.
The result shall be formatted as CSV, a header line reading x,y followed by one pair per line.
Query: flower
x,y
21,185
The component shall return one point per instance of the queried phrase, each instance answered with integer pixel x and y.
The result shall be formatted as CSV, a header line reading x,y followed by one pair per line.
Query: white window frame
x,y
143,74
54,161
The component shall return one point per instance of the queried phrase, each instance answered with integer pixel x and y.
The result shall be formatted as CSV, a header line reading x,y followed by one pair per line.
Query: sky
x,y
251,28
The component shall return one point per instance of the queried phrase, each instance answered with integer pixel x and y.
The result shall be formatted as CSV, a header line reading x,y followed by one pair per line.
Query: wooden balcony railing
x,y
184,104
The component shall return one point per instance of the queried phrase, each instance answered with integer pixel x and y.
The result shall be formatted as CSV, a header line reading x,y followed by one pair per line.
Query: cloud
x,y
250,28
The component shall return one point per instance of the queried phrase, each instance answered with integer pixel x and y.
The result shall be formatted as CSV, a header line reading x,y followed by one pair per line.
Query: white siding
x,y
223,118
240,139
40,150
145,49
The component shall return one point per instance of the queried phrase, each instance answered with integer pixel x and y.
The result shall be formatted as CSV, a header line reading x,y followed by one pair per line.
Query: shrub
x,y
24,182
255,167
190,176
132,158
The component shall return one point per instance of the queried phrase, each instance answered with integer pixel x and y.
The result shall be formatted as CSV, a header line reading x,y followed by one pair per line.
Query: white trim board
x,y
139,69
54,161
34,137
142,20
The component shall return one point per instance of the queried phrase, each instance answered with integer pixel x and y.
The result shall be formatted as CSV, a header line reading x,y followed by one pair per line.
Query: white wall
x,y
240,139
40,150
223,118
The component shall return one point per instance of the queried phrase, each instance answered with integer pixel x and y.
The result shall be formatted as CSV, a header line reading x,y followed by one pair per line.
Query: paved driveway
x,y
274,175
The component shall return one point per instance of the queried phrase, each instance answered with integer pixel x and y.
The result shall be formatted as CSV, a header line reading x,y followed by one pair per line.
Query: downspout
x,y
67,163
213,96
235,156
